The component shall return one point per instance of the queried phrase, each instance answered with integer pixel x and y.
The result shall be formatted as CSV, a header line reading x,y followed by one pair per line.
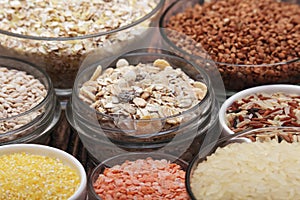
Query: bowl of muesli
x,y
275,105
59,35
142,99
29,109
255,164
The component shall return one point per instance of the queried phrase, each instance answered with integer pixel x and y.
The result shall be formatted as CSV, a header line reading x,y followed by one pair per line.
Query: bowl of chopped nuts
x,y
59,35
253,164
139,175
42,172
29,109
142,100
252,43
275,105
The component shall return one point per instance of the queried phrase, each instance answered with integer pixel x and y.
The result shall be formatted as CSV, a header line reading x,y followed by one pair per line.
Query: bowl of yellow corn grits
x,y
32,171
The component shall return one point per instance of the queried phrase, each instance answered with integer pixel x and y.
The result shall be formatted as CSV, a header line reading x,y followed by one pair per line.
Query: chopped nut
x,y
161,63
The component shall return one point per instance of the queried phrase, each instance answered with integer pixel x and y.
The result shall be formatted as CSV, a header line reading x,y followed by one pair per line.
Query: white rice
x,y
269,170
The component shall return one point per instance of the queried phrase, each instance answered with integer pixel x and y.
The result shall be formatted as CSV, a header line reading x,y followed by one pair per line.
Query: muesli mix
x,y
144,91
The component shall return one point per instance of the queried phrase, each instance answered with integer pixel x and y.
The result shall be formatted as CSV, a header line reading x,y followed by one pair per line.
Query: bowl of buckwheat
x,y
251,42
256,164
29,109
141,100
59,35
265,106
40,172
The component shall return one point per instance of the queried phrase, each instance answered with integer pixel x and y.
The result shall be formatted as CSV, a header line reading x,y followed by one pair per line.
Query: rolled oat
x,y
37,19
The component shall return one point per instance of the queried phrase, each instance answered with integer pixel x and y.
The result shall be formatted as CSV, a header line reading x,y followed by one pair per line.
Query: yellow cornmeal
x,y
28,176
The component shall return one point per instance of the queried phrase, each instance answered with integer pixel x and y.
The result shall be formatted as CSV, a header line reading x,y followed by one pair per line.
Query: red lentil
x,y
142,179
28,176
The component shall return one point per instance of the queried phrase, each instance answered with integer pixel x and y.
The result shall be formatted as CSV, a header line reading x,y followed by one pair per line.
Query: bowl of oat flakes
x,y
59,35
29,109
275,105
256,164
251,42
142,100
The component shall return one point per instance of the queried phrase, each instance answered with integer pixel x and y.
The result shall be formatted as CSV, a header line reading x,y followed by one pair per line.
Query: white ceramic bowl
x,y
52,152
285,88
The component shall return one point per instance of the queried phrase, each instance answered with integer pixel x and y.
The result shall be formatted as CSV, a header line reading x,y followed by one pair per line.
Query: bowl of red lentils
x,y
59,35
139,176
251,42
265,106
32,171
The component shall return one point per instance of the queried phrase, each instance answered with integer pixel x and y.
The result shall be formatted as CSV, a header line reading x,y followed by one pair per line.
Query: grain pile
x,y
242,32
58,35
28,176
19,93
268,170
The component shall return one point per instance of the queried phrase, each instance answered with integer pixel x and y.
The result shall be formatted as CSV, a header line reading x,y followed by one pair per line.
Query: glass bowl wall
x,y
98,130
61,57
235,76
47,112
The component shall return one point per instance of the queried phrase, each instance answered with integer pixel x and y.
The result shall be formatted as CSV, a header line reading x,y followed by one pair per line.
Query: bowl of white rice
x,y
258,164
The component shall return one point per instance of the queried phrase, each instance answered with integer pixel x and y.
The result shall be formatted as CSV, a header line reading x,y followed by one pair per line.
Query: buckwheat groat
x,y
264,35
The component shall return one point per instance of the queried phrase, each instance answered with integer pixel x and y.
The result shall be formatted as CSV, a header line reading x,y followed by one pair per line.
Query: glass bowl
x,y
47,152
69,44
209,39
185,147
272,135
97,129
261,106
136,157
32,124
